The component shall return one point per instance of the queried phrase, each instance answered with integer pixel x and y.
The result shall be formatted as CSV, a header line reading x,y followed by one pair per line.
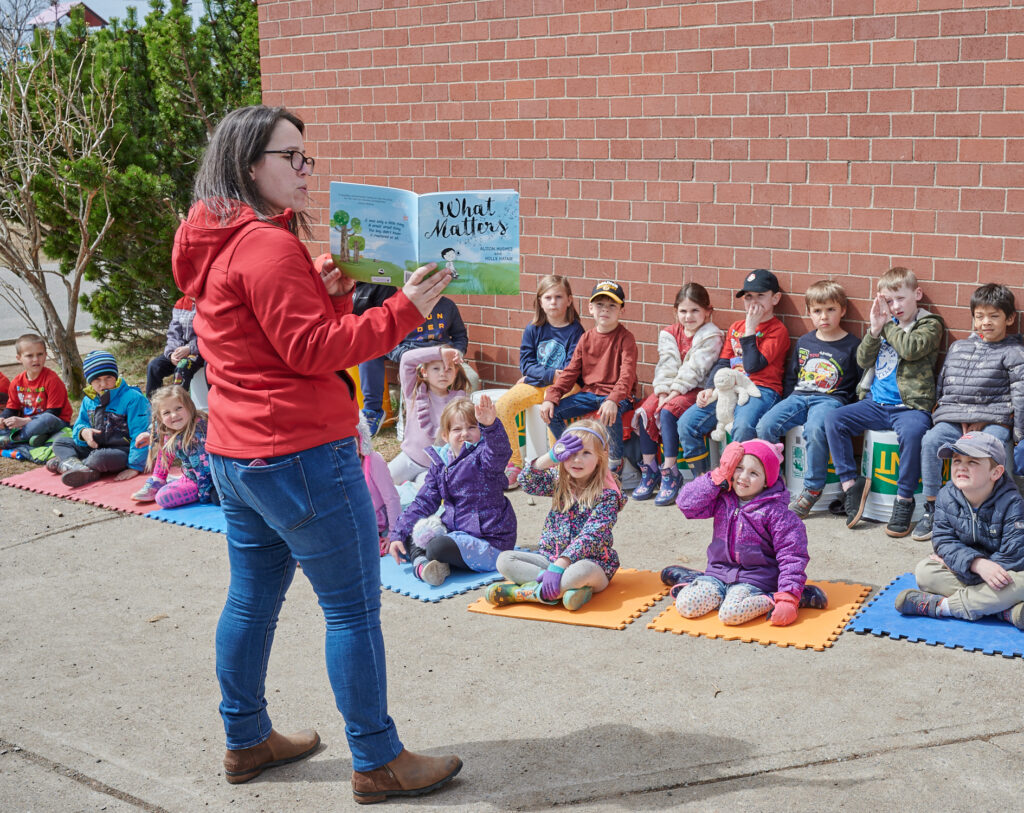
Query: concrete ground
x,y
109,699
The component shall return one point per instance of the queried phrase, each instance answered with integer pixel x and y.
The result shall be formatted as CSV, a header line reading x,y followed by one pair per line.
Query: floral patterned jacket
x,y
579,533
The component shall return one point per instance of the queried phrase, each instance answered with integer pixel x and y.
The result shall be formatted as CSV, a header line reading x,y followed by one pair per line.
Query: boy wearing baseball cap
x,y
102,441
758,345
604,365
978,536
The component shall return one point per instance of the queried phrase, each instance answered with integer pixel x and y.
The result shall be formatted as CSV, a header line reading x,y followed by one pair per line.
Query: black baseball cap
x,y
610,289
758,281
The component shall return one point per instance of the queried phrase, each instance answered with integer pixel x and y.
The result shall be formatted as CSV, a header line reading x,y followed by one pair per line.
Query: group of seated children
x,y
113,433
758,557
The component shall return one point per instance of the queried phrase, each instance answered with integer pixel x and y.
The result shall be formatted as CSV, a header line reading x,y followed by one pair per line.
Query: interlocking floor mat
x,y
989,636
813,629
204,517
629,595
398,578
106,492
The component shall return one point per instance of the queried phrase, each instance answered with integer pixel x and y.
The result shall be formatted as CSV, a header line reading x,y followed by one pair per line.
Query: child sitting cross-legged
x,y
467,477
978,536
758,553
178,433
575,558
36,401
112,416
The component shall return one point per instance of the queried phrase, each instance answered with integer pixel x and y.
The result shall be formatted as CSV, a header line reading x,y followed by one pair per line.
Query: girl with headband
x,y
575,558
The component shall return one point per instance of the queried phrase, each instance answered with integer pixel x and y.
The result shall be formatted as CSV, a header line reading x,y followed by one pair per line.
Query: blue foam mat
x,y
206,517
989,635
398,578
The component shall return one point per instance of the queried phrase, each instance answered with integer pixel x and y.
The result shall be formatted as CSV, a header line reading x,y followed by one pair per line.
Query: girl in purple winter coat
x,y
467,476
757,559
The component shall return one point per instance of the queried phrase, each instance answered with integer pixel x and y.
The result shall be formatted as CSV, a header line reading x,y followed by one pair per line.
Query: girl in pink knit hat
x,y
757,558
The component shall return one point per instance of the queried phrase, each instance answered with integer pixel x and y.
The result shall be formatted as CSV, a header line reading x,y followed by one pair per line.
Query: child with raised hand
x,y
386,503
686,352
548,344
37,400
757,559
177,434
431,378
898,353
467,478
575,557
977,569
757,344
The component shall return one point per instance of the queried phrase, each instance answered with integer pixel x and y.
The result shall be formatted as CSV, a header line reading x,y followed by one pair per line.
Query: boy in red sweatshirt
x,y
757,344
604,364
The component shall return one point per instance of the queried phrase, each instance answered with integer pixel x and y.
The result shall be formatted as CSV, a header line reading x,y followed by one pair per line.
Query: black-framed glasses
x,y
297,159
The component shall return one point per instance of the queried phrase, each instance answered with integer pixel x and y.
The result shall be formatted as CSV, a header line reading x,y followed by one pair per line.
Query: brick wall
x,y
662,142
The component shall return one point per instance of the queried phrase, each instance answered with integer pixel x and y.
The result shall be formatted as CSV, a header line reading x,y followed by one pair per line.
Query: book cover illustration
x,y
379,234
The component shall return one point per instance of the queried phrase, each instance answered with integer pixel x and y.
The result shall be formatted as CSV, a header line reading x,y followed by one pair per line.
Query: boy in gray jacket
x,y
978,565
980,388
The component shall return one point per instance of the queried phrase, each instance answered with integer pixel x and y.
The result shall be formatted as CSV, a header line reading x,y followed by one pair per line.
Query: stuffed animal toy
x,y
732,388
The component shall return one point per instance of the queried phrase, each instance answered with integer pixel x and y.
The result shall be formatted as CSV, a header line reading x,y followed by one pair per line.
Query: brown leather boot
x,y
277,749
408,774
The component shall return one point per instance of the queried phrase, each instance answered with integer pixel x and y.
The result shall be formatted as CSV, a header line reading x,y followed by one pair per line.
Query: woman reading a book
x,y
282,444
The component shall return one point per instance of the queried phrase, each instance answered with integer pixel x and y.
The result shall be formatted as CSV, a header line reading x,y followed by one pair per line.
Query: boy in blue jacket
x,y
102,440
978,535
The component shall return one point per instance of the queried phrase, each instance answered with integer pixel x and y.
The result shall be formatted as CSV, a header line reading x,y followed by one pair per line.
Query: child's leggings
x,y
176,493
516,400
737,603
522,566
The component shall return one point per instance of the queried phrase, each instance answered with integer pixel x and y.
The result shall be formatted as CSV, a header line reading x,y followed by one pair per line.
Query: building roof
x,y
59,11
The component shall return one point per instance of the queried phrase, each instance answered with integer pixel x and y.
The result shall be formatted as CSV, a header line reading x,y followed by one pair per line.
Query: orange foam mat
x,y
813,629
629,595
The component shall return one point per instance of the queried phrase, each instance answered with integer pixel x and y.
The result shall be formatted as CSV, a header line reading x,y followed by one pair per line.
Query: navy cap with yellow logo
x,y
610,289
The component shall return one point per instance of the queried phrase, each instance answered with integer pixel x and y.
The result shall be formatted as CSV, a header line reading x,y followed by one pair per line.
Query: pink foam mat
x,y
106,492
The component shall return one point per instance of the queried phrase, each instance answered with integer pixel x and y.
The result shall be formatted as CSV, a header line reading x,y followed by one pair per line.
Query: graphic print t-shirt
x,y
825,368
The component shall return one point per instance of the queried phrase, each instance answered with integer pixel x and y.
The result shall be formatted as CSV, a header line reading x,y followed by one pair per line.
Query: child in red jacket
x,y
758,345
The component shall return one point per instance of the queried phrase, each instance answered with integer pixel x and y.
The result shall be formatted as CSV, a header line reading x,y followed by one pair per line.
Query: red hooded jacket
x,y
273,338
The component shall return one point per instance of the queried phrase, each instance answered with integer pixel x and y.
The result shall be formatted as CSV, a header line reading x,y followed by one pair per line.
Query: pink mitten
x,y
731,457
784,612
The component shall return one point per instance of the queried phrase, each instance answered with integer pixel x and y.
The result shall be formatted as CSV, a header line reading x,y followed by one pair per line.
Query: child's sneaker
x,y
899,521
803,504
813,597
53,465
671,482
512,473
650,481
917,602
923,529
5,438
374,419
434,572
148,492
74,473
854,500
572,600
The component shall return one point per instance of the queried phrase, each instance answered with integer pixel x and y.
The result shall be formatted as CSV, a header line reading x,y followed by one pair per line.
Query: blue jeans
x,y
809,411
946,432
45,424
573,406
669,436
314,507
697,421
371,382
909,425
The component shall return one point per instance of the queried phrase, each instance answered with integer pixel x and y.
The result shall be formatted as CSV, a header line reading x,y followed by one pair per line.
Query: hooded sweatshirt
x,y
272,337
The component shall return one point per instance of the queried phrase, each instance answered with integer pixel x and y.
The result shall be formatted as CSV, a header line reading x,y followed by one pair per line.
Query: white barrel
x,y
880,464
796,465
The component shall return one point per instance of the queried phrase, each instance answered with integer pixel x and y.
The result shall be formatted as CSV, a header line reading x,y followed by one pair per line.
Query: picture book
x,y
379,234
